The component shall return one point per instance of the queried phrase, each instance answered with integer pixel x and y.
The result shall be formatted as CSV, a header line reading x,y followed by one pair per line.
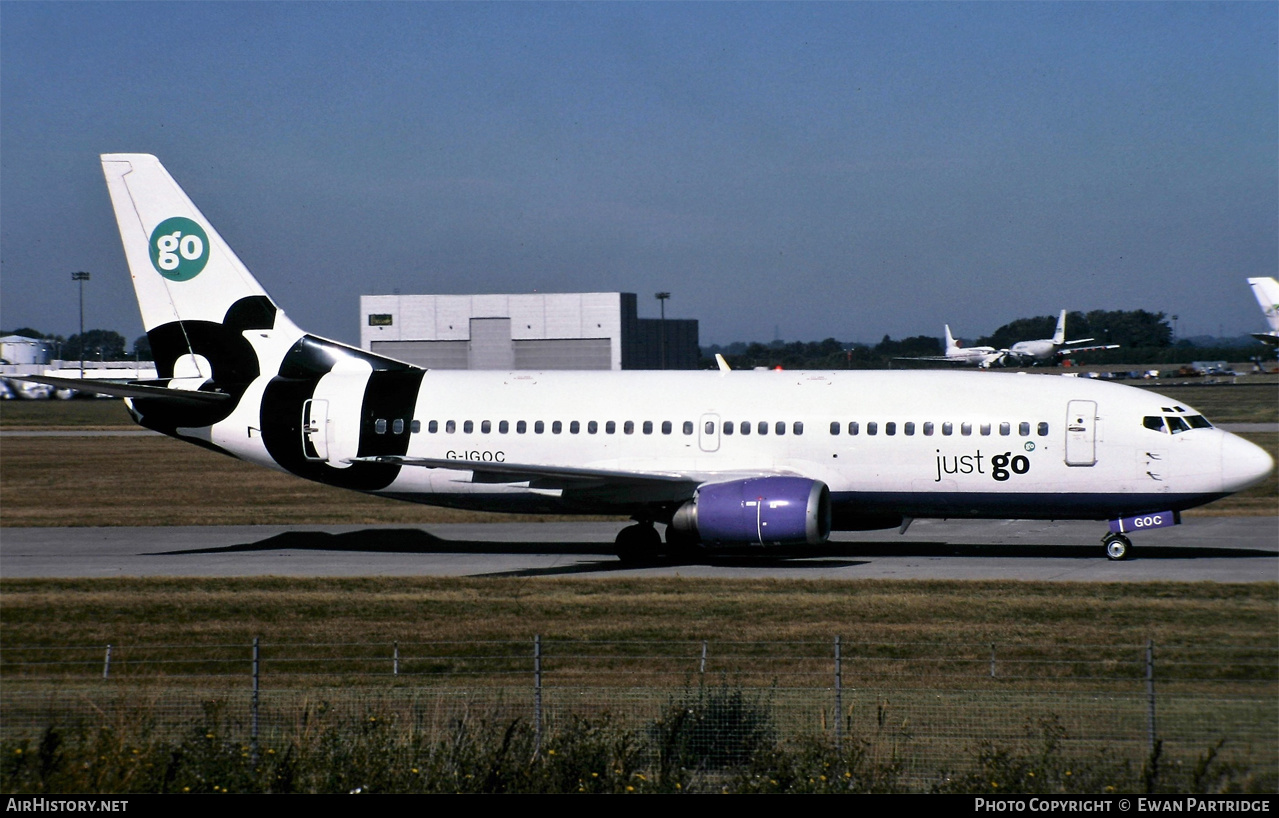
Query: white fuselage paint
x,y
1121,458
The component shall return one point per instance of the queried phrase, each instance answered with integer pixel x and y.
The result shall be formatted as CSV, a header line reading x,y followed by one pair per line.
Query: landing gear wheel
x,y
637,544
1117,546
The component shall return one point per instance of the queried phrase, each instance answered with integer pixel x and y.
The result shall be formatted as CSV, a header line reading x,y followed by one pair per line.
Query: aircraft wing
x,y
1069,350
652,485
128,389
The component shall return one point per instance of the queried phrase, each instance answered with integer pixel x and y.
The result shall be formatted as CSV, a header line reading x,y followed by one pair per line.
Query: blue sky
x,y
827,169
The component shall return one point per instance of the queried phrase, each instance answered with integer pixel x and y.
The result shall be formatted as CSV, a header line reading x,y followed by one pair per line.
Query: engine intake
x,y
758,510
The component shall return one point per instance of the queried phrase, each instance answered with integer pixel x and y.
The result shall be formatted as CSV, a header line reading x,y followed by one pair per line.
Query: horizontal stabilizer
x,y
128,389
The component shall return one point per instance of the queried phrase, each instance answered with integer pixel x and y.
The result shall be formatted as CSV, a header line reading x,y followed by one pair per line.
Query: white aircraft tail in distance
x,y
719,458
1266,291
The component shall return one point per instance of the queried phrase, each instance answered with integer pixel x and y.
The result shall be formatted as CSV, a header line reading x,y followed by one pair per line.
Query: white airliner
x,y
957,353
1267,292
1045,349
718,458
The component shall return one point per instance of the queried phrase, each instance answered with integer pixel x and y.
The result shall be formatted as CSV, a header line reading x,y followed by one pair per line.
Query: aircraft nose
x,y
1243,464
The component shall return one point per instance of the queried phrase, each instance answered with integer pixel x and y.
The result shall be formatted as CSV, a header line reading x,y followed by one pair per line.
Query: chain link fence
x,y
924,708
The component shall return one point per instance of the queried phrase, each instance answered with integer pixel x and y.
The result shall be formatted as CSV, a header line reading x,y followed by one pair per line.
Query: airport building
x,y
537,331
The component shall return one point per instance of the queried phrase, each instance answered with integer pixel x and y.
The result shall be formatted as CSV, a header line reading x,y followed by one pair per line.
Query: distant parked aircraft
x,y
1267,292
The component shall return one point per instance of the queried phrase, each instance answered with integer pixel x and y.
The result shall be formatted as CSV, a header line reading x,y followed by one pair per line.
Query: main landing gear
x,y
1117,546
640,544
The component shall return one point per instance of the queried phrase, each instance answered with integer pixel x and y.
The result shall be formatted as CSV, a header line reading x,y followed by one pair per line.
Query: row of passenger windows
x,y
744,428
928,428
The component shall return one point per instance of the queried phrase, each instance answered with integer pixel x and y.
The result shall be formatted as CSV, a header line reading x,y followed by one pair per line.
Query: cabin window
x,y
397,426
648,427
762,427
965,429
872,428
746,427
834,427
415,427
628,427
779,427
539,426
610,428
948,428
728,427
1043,429
688,427
433,426
486,426
928,428
1023,429
520,427
710,427
908,427
1005,429
450,426
797,427
853,427
557,427
890,428
985,430
666,427
592,427
574,427
379,426
468,426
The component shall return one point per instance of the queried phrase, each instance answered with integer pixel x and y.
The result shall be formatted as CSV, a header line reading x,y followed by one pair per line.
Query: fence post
x,y
537,693
992,660
702,667
395,662
839,694
106,664
253,722
1150,695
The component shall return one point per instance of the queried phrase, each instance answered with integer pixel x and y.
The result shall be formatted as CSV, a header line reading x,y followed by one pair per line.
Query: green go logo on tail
x,y
179,249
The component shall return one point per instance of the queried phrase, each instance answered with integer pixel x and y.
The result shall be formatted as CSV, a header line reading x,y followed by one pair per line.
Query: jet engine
x,y
758,510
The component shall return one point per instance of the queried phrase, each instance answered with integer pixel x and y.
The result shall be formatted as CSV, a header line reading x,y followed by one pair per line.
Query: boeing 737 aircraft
x,y
1267,292
718,458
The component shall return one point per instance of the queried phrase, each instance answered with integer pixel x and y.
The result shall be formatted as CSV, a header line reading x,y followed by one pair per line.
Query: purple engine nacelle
x,y
758,510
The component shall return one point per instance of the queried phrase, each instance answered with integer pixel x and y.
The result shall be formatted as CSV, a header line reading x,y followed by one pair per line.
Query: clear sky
x,y
826,169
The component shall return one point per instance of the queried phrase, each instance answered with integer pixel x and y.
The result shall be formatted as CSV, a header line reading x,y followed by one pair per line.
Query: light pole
x,y
81,277
661,300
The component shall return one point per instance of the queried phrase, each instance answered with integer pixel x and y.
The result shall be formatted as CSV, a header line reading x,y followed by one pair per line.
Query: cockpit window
x,y
1176,425
1198,422
1153,422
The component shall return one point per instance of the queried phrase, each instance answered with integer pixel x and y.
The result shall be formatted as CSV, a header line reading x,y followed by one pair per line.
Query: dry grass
x,y
189,611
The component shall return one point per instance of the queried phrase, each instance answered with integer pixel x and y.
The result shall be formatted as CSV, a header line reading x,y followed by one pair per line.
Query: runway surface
x,y
1218,549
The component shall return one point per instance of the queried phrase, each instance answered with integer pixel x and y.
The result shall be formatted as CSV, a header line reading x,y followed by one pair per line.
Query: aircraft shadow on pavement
x,y
833,554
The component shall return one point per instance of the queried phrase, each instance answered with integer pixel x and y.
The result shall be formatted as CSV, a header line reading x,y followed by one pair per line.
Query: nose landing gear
x,y
1117,546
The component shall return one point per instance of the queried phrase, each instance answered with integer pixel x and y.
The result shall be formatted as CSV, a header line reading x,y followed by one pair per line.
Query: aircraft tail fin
x,y
1059,335
196,297
1266,291
950,340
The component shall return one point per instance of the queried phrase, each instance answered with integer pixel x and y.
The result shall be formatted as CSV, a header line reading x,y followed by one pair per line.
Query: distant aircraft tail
x,y
1266,291
950,340
1059,335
